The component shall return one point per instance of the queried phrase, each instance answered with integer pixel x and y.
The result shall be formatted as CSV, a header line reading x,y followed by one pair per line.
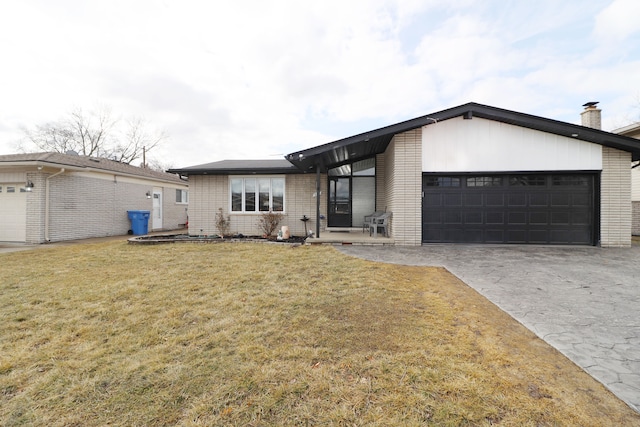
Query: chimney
x,y
591,116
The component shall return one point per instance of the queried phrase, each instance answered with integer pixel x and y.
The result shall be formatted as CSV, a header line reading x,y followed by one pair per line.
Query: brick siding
x,y
403,187
83,206
208,193
615,205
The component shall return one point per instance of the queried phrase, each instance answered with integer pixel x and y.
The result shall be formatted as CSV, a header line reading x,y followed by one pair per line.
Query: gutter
x,y
46,205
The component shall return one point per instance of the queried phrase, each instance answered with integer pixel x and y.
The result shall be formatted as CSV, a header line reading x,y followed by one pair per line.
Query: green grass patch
x,y
262,335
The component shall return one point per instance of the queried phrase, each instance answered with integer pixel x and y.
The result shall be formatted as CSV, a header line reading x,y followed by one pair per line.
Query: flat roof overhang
x,y
240,167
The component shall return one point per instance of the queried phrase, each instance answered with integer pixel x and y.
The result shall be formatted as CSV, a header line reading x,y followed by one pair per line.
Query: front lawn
x,y
269,335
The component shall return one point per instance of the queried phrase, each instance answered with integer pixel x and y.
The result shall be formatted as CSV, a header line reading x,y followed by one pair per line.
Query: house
x,y
49,197
633,131
469,174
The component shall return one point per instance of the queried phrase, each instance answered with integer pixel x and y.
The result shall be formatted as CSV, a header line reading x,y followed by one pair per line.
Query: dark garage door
x,y
532,208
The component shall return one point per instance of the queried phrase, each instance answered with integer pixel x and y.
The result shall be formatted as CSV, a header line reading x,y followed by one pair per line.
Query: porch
x,y
349,236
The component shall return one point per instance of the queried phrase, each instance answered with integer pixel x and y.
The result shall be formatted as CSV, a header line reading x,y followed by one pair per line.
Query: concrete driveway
x,y
584,301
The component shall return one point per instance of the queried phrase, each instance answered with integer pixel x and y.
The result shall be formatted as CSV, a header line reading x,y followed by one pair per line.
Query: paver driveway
x,y
584,301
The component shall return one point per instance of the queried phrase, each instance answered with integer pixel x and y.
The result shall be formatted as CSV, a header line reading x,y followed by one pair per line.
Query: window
x,y
484,181
442,181
528,180
570,180
366,167
182,196
11,189
257,194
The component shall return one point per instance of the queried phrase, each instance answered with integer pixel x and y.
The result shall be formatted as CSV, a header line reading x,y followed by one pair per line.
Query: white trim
x,y
184,194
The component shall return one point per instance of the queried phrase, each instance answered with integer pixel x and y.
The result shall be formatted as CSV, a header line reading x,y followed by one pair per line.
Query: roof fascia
x,y
74,168
236,171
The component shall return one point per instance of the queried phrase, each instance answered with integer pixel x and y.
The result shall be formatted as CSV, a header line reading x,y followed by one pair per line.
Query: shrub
x,y
269,221
223,223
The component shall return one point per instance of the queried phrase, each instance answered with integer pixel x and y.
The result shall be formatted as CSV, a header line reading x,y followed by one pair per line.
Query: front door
x,y
156,220
339,202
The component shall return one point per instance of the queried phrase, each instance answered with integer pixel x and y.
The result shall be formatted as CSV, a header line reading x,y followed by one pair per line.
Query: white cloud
x,y
618,21
252,79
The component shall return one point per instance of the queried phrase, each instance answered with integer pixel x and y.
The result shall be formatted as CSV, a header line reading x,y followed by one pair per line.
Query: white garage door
x,y
13,212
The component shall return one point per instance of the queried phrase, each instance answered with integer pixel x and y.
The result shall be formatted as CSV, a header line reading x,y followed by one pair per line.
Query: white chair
x,y
380,222
369,218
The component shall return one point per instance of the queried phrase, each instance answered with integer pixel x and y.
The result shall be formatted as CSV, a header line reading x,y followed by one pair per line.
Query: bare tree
x,y
158,165
96,134
51,137
136,140
92,131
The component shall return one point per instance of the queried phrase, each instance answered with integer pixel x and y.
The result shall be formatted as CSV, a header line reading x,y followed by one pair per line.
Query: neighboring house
x,y
469,174
49,197
633,131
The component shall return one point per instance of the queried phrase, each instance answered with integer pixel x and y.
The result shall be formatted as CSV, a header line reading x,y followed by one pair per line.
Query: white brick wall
x,y
208,193
615,204
82,206
403,187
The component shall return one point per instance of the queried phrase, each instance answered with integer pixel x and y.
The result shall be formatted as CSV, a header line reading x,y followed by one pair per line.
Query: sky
x,y
258,79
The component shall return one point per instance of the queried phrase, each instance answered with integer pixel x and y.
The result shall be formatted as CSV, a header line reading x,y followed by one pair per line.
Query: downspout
x,y
318,200
46,205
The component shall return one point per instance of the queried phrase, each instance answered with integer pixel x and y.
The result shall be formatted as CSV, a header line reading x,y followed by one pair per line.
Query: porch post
x,y
318,200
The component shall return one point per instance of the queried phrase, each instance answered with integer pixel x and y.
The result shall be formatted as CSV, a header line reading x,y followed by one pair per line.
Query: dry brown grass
x,y
260,335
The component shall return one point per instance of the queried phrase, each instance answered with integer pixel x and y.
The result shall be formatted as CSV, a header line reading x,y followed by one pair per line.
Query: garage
x,y
13,211
532,208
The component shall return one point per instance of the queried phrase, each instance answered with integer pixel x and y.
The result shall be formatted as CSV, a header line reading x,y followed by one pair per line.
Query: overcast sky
x,y
263,78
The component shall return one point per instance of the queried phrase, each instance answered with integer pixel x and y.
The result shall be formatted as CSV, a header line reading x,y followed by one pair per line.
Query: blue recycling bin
x,y
139,222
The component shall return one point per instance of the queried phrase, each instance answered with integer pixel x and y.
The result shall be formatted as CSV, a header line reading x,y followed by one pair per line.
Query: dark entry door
x,y
515,208
339,202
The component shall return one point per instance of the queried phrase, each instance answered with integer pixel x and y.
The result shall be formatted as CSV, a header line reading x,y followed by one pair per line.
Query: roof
x,y
376,141
240,167
85,163
632,130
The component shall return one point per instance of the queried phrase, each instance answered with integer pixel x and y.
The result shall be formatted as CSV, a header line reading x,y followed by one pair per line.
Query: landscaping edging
x,y
160,239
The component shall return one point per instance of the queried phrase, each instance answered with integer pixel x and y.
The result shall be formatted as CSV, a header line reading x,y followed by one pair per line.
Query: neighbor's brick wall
x,y
208,193
174,215
615,204
403,187
82,207
35,208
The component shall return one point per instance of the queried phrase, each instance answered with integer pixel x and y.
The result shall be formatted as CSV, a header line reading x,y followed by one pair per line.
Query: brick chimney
x,y
591,116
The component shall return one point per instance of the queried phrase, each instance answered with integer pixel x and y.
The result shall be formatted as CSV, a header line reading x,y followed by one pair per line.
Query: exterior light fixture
x,y
148,194
29,186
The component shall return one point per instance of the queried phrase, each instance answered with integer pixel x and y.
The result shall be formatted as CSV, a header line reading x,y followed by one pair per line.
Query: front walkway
x,y
584,301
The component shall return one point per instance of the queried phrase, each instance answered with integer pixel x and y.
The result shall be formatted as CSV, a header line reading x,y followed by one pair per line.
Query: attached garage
x,y
13,209
480,174
532,208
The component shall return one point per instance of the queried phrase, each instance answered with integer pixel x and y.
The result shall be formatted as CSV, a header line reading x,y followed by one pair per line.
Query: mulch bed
x,y
185,238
